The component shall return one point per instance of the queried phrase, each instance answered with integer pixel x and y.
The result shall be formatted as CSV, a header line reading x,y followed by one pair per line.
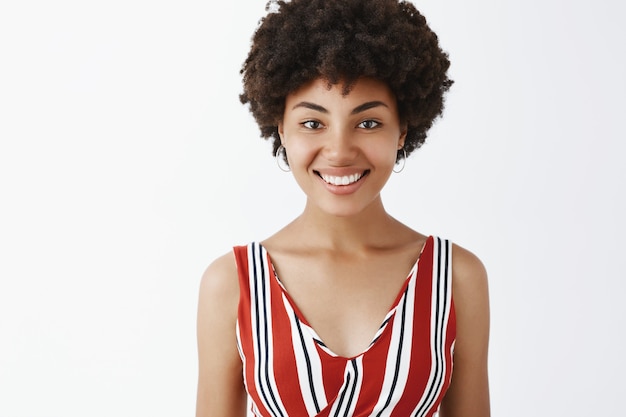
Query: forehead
x,y
319,91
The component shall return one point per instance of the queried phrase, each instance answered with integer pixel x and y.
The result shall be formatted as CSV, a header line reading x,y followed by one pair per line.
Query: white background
x,y
127,164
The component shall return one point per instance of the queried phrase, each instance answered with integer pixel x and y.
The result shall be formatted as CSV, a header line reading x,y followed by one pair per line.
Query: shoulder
x,y
218,303
467,269
468,393
471,297
219,286
220,273
220,384
469,287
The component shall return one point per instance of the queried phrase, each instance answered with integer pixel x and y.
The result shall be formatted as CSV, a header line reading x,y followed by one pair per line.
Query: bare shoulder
x,y
470,292
218,298
219,281
220,382
468,394
466,267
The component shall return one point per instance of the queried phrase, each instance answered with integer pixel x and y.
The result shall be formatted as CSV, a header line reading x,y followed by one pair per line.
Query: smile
x,y
343,180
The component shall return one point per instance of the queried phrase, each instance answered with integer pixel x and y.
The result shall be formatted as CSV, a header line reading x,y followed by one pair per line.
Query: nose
x,y
340,147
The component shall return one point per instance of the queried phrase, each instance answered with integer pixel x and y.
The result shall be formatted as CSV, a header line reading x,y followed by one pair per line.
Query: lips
x,y
342,180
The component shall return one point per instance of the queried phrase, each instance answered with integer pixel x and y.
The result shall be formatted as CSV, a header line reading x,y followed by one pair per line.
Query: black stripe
x,y
425,405
308,363
439,324
441,318
356,378
343,394
319,342
399,355
385,322
259,256
442,322
267,332
379,330
258,327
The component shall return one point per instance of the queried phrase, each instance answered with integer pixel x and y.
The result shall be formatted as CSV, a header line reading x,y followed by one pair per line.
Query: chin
x,y
343,210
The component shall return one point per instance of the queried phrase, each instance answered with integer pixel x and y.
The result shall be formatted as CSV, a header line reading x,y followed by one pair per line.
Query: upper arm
x,y
468,394
220,379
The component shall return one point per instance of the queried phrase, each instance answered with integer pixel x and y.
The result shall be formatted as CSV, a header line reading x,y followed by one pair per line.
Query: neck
x,y
373,227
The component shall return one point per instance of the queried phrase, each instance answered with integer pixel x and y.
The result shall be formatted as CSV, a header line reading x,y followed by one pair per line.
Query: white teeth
x,y
345,180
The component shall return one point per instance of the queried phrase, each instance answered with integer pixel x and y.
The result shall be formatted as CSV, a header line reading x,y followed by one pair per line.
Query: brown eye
x,y
312,124
369,124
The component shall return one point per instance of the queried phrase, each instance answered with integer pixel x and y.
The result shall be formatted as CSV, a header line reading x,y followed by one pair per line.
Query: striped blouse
x,y
288,371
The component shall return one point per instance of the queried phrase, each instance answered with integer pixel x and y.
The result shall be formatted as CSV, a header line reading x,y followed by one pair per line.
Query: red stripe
x,y
417,378
245,325
374,367
285,372
333,368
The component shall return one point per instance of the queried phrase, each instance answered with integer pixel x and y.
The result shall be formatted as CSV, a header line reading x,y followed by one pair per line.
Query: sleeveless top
x,y
289,372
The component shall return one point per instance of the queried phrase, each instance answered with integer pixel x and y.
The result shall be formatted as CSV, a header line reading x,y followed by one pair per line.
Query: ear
x,y
402,137
281,133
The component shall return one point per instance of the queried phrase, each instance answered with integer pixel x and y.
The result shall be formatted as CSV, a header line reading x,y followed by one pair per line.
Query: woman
x,y
345,311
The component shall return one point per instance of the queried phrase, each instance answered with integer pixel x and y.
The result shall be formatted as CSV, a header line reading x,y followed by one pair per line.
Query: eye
x,y
369,124
312,124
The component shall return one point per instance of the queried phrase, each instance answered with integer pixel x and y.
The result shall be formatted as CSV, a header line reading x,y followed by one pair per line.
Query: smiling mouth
x,y
342,180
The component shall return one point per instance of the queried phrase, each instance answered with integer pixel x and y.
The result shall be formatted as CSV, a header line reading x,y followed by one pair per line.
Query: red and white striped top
x,y
289,372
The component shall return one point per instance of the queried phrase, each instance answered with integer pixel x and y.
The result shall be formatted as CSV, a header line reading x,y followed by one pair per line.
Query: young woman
x,y
345,311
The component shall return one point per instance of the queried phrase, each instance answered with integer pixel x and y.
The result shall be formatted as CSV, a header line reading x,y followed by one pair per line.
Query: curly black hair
x,y
341,41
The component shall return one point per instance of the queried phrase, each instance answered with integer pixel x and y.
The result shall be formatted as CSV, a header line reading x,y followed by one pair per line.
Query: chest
x,y
290,369
345,300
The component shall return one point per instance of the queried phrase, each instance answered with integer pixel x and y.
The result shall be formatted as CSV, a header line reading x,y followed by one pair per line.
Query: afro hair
x,y
340,41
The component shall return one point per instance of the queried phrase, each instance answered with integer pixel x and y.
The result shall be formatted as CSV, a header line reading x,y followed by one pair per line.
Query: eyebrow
x,y
311,106
358,109
367,106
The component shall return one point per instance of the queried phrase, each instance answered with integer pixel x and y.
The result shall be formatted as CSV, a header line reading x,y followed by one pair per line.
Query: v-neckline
x,y
381,329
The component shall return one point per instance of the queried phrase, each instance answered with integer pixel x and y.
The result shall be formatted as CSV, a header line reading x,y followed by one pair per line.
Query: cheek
x,y
382,153
300,152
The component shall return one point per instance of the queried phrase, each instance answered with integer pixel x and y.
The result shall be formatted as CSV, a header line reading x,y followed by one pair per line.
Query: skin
x,y
356,256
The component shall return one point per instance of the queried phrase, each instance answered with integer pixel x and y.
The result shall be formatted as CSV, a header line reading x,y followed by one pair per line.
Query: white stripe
x,y
392,353
277,401
256,307
447,311
439,322
264,353
357,389
443,294
253,320
452,359
301,364
241,355
431,376
346,399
